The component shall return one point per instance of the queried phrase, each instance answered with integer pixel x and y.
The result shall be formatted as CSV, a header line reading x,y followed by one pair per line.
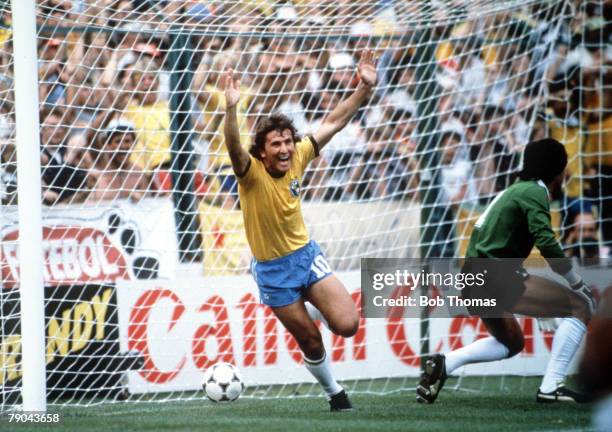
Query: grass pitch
x,y
489,409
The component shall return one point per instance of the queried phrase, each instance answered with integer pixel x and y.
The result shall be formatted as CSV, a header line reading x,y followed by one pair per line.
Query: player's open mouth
x,y
284,161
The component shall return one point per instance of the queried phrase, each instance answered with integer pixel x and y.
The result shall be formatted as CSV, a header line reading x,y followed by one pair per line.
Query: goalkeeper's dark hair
x,y
274,122
543,160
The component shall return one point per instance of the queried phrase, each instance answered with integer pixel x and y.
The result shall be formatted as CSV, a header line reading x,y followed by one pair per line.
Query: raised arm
x,y
340,116
239,156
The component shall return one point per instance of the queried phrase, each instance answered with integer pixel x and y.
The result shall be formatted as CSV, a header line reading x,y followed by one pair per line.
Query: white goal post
x,y
30,211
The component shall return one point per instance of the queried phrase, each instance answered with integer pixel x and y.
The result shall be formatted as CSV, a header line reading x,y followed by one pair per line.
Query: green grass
x,y
491,409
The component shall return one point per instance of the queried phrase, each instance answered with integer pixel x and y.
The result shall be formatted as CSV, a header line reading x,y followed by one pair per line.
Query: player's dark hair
x,y
274,122
543,160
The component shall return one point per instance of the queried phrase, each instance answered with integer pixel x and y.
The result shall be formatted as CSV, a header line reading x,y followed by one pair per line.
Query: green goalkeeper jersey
x,y
516,220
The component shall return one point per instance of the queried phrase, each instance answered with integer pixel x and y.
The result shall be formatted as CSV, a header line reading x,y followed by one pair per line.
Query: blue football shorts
x,y
282,281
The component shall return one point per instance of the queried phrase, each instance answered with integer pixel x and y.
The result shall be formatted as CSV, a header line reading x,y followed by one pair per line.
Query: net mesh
x,y
142,226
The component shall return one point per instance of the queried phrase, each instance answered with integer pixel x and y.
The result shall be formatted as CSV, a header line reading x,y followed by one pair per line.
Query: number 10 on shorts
x,y
320,266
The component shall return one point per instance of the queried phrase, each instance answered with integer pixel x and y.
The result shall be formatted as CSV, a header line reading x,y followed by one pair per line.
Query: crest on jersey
x,y
294,188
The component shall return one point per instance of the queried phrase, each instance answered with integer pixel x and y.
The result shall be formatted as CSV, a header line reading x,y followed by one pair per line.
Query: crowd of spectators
x,y
499,81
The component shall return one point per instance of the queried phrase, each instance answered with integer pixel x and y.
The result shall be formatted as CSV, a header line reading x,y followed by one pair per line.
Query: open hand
x,y
366,68
232,88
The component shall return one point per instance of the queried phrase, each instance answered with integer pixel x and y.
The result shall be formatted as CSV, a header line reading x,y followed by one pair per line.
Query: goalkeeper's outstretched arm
x,y
238,155
340,116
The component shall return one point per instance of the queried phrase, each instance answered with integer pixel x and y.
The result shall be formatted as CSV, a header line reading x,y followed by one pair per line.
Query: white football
x,y
223,382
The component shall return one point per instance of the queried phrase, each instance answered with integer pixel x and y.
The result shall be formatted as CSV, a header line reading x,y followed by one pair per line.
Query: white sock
x,y
321,370
315,314
565,344
482,350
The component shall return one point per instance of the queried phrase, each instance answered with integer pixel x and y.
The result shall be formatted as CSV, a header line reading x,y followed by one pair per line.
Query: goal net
x,y
146,264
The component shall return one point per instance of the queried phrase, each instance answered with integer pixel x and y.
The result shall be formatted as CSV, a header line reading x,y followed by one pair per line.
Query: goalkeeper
x,y
503,236
288,267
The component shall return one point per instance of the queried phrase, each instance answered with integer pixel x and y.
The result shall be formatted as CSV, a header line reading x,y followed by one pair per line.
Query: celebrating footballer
x,y
288,267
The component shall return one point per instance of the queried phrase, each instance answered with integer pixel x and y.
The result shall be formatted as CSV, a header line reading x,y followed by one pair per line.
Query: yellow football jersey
x,y
152,125
271,206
